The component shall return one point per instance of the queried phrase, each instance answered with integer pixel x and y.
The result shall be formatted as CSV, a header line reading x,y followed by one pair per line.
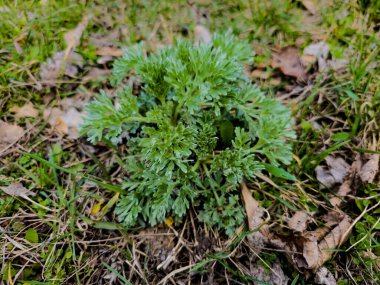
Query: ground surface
x,y
56,220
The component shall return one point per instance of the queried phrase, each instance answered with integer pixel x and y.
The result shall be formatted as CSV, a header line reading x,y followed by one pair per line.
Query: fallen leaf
x,y
202,34
324,276
95,74
111,51
9,133
255,215
343,191
369,170
72,37
17,190
320,51
298,222
65,121
337,64
288,61
310,6
275,276
258,73
337,169
27,110
332,240
51,70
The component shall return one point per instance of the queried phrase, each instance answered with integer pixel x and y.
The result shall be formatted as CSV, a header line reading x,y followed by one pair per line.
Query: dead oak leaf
x,y
289,62
17,190
27,110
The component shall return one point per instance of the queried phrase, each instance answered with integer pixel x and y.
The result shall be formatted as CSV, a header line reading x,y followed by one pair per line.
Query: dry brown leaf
x,y
111,51
95,74
320,51
255,215
202,34
259,73
72,37
324,276
343,191
65,122
332,240
298,222
339,168
9,133
369,170
51,70
275,276
289,62
17,190
310,6
335,173
27,110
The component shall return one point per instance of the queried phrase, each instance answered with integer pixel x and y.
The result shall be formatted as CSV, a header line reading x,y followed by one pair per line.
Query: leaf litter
x,y
289,63
65,62
9,134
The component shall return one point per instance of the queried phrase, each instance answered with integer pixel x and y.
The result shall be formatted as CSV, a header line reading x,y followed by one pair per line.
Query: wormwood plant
x,y
194,132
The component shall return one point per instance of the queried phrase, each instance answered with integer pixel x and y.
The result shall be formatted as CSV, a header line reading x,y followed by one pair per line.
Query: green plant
x,y
195,131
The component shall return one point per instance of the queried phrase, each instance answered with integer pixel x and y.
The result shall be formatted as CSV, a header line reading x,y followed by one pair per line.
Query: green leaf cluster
x,y
195,131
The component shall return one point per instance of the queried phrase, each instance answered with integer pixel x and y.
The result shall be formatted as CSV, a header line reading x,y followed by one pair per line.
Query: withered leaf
x,y
27,110
9,133
324,277
17,190
298,222
335,173
369,170
72,37
289,62
255,215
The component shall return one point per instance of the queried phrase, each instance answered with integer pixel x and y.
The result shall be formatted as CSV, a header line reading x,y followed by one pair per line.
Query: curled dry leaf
x,y
27,110
202,34
317,253
323,276
298,222
289,62
17,190
335,173
9,134
255,215
369,170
